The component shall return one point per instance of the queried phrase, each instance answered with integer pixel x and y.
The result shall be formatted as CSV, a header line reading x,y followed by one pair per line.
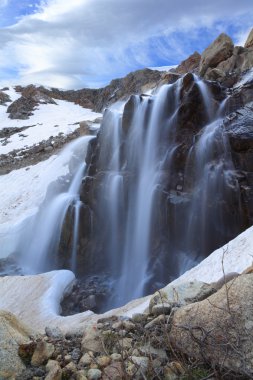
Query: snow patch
x,y
48,120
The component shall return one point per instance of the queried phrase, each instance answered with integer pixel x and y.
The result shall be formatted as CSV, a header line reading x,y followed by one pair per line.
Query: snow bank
x,y
22,191
48,120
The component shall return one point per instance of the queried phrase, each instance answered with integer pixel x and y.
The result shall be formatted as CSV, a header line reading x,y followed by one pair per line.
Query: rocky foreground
x,y
190,331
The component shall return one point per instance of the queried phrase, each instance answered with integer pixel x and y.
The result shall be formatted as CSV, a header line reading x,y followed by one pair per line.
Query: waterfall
x,y
159,220
160,193
40,242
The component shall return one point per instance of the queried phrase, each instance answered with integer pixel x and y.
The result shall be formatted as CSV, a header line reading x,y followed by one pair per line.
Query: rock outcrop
x,y
249,41
220,50
219,330
190,64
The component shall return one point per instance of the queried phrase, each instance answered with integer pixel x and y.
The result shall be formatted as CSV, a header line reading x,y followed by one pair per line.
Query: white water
x,y
41,239
136,165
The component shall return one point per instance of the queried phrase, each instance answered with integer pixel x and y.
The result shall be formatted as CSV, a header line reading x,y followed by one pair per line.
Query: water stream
x,y
157,211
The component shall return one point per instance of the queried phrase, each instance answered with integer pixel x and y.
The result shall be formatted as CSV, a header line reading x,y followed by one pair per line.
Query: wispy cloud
x,y
87,42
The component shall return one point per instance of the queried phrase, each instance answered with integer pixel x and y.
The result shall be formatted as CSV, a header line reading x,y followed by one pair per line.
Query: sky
x,y
73,44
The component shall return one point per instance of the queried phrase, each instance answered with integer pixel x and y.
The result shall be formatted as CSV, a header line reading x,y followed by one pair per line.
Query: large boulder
x,y
229,71
12,334
219,329
249,41
219,50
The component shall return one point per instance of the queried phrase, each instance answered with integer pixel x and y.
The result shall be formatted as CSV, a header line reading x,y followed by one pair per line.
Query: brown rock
x,y
42,353
220,328
190,64
91,340
249,41
54,370
12,334
113,371
219,50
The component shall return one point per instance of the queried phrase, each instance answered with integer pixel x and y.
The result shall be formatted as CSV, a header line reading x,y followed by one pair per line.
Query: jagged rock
x,y
54,370
4,98
12,334
219,50
219,329
249,41
86,359
190,64
229,70
113,371
91,340
42,353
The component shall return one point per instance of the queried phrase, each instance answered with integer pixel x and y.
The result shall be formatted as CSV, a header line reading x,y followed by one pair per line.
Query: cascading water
x,y
41,241
160,207
159,194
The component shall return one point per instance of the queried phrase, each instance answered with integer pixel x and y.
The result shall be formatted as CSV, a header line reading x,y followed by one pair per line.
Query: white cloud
x,y
80,42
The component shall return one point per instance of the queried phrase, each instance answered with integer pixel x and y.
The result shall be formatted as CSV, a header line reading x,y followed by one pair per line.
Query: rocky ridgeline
x,y
221,61
189,331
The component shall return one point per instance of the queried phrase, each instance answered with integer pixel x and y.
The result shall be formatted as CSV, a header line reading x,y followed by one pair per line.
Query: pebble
x,y
94,374
116,357
85,360
103,361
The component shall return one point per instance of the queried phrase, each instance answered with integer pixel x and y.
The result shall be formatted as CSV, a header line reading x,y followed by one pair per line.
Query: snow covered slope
x,y
48,120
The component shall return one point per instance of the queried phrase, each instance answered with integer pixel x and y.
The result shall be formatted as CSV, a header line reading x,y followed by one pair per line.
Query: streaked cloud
x,y
88,42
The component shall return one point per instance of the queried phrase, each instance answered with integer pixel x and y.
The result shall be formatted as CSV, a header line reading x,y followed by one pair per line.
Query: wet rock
x,y
218,51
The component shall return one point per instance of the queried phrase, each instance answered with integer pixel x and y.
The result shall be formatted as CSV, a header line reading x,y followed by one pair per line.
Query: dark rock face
x,y
96,99
133,83
174,194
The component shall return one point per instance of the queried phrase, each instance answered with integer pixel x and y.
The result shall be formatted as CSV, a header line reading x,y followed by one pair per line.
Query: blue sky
x,y
86,43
